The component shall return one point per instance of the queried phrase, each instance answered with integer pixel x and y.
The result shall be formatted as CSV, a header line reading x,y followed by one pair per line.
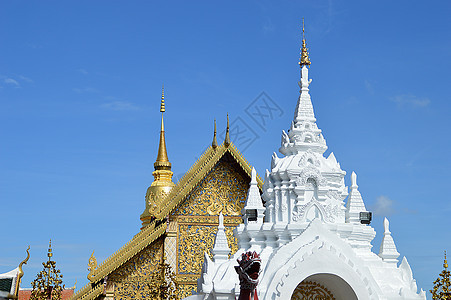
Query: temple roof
x,y
157,227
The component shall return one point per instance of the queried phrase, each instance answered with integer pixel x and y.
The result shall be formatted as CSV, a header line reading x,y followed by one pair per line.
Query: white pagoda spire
x,y
355,203
388,250
221,248
253,210
304,134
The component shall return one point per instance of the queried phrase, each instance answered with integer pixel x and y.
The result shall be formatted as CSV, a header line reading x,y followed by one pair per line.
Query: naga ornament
x,y
248,270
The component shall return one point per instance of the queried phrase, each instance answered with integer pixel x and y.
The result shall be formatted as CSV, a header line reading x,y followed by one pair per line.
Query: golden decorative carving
x,y
232,241
163,284
307,290
92,266
207,220
193,242
223,189
132,279
186,290
442,285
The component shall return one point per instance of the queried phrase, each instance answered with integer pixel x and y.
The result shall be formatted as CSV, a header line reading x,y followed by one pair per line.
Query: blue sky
x,y
80,85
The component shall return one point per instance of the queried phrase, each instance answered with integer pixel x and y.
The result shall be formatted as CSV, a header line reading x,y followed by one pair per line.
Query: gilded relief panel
x,y
224,190
131,281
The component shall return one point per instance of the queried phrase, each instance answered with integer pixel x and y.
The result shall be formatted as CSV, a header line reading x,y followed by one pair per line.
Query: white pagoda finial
x,y
355,203
354,180
388,251
221,248
304,134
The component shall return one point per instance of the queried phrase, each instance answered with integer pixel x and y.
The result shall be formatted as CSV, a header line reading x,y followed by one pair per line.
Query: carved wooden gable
x,y
132,280
194,222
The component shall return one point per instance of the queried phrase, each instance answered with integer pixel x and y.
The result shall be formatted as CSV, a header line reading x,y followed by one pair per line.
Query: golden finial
x,y
445,263
50,249
227,136
304,51
214,144
162,162
162,108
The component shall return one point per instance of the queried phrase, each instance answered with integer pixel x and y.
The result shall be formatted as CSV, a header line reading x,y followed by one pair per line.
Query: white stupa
x,y
310,242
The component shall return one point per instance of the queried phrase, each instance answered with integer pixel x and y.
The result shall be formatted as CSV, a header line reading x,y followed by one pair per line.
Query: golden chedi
x,y
162,183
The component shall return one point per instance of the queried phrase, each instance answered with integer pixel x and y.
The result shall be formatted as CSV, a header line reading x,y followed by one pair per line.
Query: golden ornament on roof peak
x,y
214,144
227,135
305,60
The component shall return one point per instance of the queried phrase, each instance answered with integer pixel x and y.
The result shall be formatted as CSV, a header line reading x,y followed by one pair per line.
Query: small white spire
x,y
254,203
388,250
355,203
221,248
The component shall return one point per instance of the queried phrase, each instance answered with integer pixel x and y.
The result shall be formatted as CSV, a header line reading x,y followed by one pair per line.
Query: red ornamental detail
x,y
248,270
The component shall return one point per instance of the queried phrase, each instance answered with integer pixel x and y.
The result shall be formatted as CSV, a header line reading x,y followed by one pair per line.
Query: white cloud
x,y
12,82
26,79
83,71
369,87
410,100
383,206
119,106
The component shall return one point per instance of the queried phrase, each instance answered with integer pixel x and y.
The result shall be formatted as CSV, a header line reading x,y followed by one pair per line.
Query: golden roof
x,y
157,228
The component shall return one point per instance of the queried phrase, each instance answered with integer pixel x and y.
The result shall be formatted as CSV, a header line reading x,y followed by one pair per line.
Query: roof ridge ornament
x,y
227,135
214,144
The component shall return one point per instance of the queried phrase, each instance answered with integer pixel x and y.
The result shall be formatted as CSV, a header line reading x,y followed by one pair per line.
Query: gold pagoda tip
x,y
162,162
162,107
214,144
227,136
49,254
445,263
305,60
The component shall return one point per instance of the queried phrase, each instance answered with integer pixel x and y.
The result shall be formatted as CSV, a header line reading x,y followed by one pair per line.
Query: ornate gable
x,y
183,229
224,190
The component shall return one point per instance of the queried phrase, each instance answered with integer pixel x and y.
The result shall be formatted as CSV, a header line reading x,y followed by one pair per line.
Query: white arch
x,y
316,250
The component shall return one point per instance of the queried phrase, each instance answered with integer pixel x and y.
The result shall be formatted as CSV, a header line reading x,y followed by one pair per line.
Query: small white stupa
x,y
309,242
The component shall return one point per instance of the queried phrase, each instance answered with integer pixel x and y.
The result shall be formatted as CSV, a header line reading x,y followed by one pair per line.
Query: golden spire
x,y
162,162
227,136
162,183
304,51
214,144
